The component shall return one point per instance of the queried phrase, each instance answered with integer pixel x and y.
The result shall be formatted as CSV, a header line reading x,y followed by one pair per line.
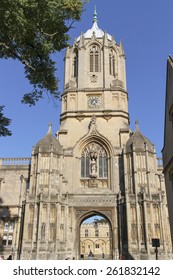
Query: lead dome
x,y
139,141
48,143
95,30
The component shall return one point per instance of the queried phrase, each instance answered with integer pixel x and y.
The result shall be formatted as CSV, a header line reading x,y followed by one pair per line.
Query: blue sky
x,y
145,28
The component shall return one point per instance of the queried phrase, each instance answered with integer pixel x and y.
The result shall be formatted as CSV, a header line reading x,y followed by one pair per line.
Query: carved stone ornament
x,y
80,118
92,124
107,117
90,201
93,184
94,79
73,96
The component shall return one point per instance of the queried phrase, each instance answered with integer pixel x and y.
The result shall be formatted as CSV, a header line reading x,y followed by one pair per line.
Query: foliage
x,y
3,123
31,31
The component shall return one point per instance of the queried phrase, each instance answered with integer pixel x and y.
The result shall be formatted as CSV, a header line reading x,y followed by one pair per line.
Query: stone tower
x,y
96,165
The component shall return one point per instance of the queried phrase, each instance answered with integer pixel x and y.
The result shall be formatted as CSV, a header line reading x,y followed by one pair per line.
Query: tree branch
x,y
14,53
53,34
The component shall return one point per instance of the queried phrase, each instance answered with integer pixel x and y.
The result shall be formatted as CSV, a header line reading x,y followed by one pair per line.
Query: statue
x,y
93,167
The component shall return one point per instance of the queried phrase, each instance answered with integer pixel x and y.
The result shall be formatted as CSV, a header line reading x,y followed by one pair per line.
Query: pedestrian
x,y
9,257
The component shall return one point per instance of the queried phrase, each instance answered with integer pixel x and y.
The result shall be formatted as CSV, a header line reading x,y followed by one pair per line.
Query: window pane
x,y
4,240
105,167
87,166
113,66
96,62
6,227
91,62
110,64
75,66
82,167
100,167
11,228
10,238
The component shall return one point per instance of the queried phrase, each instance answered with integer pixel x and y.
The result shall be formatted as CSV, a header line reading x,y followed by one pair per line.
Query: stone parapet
x,y
14,161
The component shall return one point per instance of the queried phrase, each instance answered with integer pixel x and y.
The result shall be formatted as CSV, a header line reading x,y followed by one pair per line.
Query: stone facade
x,y
168,140
14,183
95,166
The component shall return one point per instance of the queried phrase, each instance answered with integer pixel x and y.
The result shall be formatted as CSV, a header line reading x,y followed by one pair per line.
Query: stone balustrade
x,y
14,161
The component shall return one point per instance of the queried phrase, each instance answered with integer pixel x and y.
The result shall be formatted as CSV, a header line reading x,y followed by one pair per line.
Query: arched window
x,y
94,162
4,240
112,63
103,165
75,65
11,227
94,59
6,226
10,239
8,233
85,165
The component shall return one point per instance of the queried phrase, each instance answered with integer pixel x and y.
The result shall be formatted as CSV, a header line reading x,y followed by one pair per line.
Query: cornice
x,y
83,114
113,89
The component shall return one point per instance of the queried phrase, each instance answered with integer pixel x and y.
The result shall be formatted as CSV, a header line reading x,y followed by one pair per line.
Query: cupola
x,y
139,142
95,30
48,143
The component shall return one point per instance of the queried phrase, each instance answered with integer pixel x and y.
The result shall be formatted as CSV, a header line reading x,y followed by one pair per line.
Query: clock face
x,y
94,101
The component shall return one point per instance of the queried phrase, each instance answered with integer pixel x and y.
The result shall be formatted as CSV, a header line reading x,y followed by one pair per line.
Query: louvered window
x,y
112,63
94,59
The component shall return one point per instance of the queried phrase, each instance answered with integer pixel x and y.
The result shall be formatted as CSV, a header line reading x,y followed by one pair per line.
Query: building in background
x,y
94,166
95,240
168,140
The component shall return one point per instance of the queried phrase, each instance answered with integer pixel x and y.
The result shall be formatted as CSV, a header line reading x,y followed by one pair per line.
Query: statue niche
x,y
94,165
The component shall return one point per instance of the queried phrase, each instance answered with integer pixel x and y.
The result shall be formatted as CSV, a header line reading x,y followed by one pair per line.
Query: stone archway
x,y
100,246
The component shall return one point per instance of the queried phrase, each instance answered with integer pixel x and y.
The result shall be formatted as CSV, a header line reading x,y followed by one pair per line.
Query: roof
x,y
95,30
139,141
48,143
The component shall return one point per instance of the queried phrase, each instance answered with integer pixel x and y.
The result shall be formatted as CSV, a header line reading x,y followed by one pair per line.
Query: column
x,y
135,181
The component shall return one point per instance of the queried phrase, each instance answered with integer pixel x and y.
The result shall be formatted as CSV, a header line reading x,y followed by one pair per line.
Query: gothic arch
x,y
82,215
112,62
97,139
94,161
105,177
75,63
114,48
94,42
94,58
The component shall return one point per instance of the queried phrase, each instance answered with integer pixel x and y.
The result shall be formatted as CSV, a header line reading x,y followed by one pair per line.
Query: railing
x,y
14,161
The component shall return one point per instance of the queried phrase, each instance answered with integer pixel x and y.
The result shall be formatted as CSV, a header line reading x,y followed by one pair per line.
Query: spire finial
x,y
137,125
95,15
50,128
